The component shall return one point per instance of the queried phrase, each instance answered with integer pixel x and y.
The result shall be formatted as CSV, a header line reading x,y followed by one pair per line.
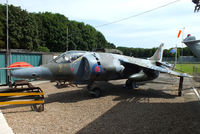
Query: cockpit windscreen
x,y
68,57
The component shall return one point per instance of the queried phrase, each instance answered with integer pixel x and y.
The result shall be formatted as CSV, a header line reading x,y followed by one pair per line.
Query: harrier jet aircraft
x,y
89,67
193,44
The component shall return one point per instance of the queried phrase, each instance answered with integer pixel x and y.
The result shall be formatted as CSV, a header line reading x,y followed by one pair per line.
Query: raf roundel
x,y
96,68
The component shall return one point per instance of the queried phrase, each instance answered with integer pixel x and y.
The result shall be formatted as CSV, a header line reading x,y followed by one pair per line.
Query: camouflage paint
x,y
92,66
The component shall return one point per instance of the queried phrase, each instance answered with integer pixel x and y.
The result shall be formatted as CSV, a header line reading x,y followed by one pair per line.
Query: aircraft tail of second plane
x,y
193,44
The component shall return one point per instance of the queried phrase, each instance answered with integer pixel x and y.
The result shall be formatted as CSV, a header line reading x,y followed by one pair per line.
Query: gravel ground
x,y
152,108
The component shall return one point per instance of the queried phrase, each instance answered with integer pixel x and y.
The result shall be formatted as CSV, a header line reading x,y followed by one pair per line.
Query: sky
x,y
145,31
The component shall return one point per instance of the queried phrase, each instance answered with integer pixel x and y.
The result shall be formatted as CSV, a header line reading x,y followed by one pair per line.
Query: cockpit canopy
x,y
68,57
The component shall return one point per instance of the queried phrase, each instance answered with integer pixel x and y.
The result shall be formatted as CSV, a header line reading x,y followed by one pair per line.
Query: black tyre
x,y
129,84
96,92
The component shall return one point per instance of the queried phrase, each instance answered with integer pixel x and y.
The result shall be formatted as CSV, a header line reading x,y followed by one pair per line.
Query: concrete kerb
x,y
5,129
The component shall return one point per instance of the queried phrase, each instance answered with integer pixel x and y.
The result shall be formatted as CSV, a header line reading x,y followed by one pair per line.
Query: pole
x,y
175,57
180,88
67,39
182,40
182,45
7,24
7,44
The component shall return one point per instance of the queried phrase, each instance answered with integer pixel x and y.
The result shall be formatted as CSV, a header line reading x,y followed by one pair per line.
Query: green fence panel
x,y
33,59
2,65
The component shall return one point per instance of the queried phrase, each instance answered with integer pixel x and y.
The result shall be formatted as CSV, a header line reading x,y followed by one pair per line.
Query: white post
x,y
182,40
175,57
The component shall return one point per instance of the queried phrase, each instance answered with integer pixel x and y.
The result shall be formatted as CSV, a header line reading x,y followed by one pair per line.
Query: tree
x,y
22,28
2,26
48,32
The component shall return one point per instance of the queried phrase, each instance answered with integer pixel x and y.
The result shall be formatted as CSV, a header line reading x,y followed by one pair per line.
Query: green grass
x,y
187,68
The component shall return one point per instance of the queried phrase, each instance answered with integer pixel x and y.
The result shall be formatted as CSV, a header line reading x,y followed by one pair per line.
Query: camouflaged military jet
x,y
89,67
192,44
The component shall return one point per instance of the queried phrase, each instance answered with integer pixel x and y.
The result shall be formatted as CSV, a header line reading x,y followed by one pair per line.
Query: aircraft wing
x,y
161,68
191,41
169,71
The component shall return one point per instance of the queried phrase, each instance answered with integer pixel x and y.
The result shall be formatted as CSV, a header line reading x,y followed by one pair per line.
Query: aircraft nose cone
x,y
32,73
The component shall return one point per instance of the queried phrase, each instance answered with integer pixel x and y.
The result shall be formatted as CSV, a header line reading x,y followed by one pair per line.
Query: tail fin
x,y
193,45
158,54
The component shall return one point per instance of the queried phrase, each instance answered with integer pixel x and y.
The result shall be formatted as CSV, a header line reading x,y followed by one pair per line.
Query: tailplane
x,y
158,54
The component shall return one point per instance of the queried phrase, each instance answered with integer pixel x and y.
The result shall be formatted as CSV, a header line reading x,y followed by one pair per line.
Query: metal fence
x,y
183,59
196,72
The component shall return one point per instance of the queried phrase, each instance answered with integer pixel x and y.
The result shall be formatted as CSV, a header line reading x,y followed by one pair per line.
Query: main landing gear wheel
x,y
96,92
131,85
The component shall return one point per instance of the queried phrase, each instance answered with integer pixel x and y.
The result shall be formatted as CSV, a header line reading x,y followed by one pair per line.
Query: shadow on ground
x,y
130,117
110,90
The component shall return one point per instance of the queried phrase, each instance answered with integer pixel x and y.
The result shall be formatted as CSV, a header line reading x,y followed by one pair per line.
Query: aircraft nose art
x,y
32,73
